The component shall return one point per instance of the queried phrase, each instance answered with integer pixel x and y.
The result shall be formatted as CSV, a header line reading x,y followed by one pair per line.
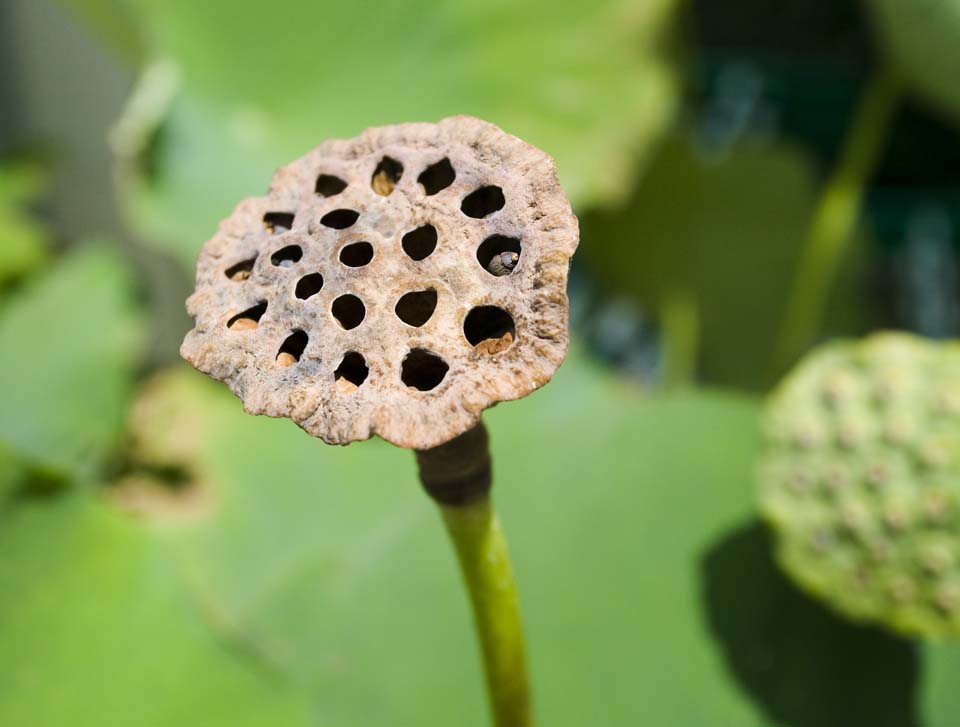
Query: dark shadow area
x,y
804,665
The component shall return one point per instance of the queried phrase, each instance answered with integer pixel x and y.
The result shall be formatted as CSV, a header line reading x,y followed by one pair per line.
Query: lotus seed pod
x,y
861,480
396,284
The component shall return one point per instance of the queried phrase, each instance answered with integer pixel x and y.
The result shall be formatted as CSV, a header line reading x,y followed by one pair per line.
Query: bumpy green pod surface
x,y
861,480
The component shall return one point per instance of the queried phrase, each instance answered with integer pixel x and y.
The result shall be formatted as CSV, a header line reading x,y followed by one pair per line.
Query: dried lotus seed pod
x,y
875,528
397,284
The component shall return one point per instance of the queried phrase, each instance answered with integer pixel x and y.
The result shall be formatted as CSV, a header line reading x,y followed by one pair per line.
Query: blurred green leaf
x,y
95,630
588,82
22,240
724,229
328,569
68,348
11,473
335,569
116,20
921,38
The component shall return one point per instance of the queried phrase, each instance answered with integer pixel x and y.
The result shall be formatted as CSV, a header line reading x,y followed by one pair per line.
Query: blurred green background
x,y
752,178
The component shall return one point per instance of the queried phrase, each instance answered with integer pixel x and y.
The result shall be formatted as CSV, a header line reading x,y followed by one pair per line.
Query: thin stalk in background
x,y
835,217
680,322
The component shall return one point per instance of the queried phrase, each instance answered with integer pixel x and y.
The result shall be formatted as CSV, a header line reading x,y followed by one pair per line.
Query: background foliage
x,y
169,559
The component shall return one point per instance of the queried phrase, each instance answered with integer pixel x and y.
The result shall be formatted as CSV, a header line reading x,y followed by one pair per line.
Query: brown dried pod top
x,y
396,284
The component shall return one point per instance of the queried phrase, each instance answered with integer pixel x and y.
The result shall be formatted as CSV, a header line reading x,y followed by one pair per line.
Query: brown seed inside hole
x,y
242,270
340,219
249,319
292,348
386,176
277,222
482,202
356,254
437,177
491,256
351,372
423,370
309,285
349,311
329,185
415,308
419,243
490,329
285,257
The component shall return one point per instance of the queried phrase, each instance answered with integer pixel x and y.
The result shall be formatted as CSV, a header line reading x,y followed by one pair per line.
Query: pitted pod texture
x,y
367,293
861,480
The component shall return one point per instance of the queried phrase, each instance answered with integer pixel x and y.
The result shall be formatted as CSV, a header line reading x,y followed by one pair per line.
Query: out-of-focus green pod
x,y
860,480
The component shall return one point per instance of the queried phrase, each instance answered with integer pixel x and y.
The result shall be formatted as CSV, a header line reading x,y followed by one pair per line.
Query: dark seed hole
x,y
437,177
487,322
494,247
415,308
352,368
482,202
339,219
329,185
249,318
423,370
241,271
356,254
386,176
309,285
285,257
349,311
419,243
292,348
277,222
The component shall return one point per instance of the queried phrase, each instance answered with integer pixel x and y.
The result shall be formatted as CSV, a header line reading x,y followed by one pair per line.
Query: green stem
x,y
457,476
835,218
485,564
680,320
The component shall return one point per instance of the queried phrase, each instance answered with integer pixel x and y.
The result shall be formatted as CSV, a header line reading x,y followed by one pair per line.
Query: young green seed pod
x,y
874,528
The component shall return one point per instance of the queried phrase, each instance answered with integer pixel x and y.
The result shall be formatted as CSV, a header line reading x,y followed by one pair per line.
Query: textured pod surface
x,y
356,297
861,480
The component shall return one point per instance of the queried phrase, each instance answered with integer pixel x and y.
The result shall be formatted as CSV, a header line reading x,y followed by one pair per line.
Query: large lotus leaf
x,y
68,349
723,231
22,240
261,83
332,567
921,38
96,631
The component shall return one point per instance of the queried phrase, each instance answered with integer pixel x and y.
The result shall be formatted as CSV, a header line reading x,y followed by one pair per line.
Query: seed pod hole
x,y
356,254
309,285
285,257
349,311
292,348
386,176
483,201
277,222
423,370
351,372
437,177
340,219
489,329
417,307
329,185
249,319
241,271
491,257
421,242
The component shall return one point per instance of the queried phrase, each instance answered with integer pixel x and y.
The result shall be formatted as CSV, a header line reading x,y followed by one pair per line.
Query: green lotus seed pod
x,y
860,480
